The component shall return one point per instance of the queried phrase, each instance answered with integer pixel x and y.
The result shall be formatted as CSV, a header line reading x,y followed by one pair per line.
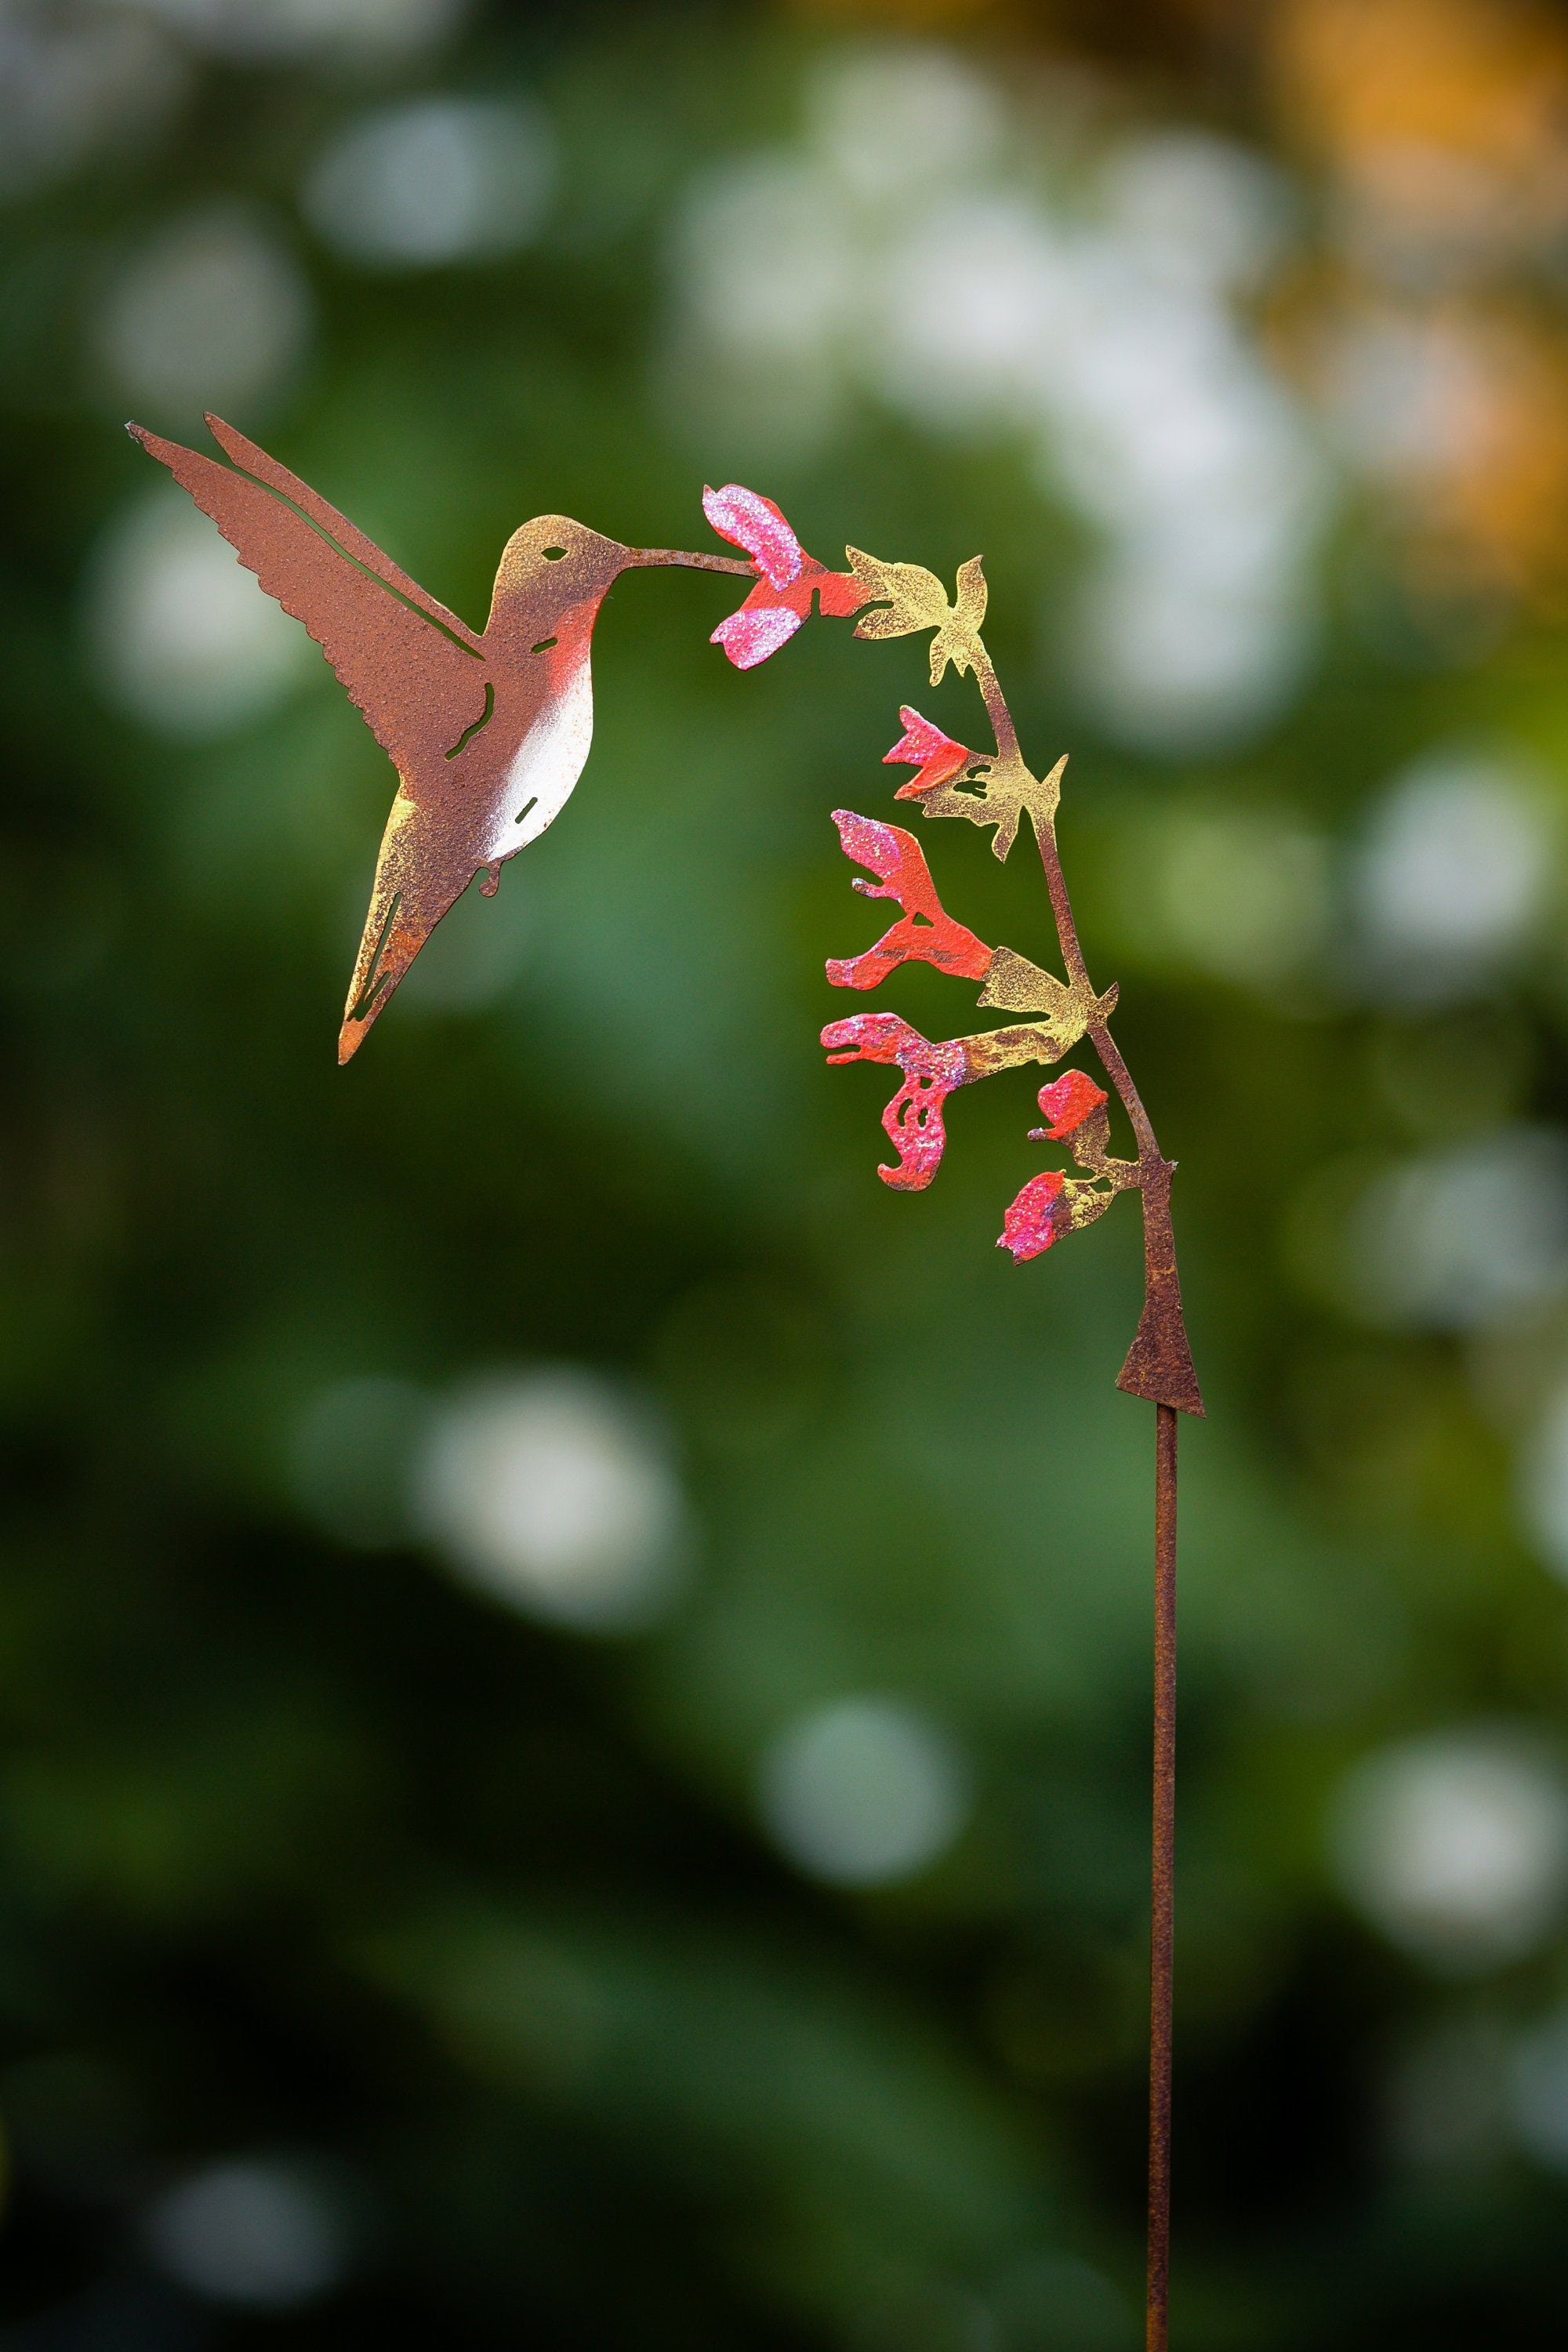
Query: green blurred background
x,y
575,1672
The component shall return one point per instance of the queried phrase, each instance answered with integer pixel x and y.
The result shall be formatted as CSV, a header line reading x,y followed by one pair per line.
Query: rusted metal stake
x,y
1164,1855
472,723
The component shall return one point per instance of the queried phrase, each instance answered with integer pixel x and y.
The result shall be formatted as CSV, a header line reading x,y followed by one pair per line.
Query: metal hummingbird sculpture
x,y
490,734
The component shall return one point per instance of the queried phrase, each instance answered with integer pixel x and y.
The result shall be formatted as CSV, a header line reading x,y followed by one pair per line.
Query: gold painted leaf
x,y
908,596
952,644
1006,790
1069,1012
958,639
1084,1202
972,592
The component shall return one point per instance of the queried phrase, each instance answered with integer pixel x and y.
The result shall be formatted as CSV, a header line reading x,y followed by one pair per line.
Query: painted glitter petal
x,y
873,1038
889,853
749,637
913,1125
924,747
912,1121
921,742
927,934
747,520
1035,1218
1068,1101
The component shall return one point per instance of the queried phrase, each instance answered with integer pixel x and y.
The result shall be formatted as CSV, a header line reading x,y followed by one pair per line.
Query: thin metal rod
x,y
1164,1855
667,555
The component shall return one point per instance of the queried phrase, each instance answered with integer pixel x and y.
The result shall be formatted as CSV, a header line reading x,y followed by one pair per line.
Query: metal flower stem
x,y
1160,1266
1164,1858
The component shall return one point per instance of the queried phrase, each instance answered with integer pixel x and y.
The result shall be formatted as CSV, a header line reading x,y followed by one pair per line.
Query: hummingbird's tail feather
x,y
415,886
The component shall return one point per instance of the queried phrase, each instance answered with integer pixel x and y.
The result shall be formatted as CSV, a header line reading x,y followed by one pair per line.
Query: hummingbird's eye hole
x,y
544,645
553,554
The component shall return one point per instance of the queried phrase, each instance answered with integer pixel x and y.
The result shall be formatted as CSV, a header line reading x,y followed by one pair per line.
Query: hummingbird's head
x,y
553,572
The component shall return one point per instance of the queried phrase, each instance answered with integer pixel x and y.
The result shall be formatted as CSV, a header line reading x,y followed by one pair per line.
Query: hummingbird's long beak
x,y
666,555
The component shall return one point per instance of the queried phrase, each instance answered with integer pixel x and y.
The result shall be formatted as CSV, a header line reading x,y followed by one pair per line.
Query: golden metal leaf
x,y
910,597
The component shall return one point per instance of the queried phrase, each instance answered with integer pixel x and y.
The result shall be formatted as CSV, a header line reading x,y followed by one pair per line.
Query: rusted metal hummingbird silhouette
x,y
489,734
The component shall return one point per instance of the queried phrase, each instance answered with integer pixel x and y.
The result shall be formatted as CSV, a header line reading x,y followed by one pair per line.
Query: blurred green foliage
x,y
310,1854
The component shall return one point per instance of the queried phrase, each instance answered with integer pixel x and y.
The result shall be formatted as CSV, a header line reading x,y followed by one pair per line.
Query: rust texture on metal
x,y
1161,1911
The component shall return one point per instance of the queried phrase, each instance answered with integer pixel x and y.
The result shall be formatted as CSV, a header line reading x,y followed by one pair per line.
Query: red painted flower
x,y
928,933
747,520
1066,1103
1038,1217
781,598
1052,1205
913,1118
925,747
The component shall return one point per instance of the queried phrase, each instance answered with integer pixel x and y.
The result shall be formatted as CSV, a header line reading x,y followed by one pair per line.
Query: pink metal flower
x,y
925,747
1052,1205
913,1118
757,630
927,934
1038,1217
1066,1103
749,520
781,598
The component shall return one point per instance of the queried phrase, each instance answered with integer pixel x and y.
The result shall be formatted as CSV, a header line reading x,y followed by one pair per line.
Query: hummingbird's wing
x,y
419,674
421,872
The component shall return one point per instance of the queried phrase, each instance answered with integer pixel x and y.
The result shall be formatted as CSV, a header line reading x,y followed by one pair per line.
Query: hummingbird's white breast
x,y
546,764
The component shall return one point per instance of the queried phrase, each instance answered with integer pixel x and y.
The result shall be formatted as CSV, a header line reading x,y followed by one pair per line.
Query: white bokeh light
x,y
1467,1238
436,180
889,123
1407,394
864,1792
1208,207
213,313
1162,662
1452,873
772,268
180,633
252,2232
551,1492
966,312
1456,1846
769,271
974,303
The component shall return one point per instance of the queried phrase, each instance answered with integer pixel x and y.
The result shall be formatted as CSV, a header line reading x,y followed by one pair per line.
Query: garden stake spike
x,y
490,734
